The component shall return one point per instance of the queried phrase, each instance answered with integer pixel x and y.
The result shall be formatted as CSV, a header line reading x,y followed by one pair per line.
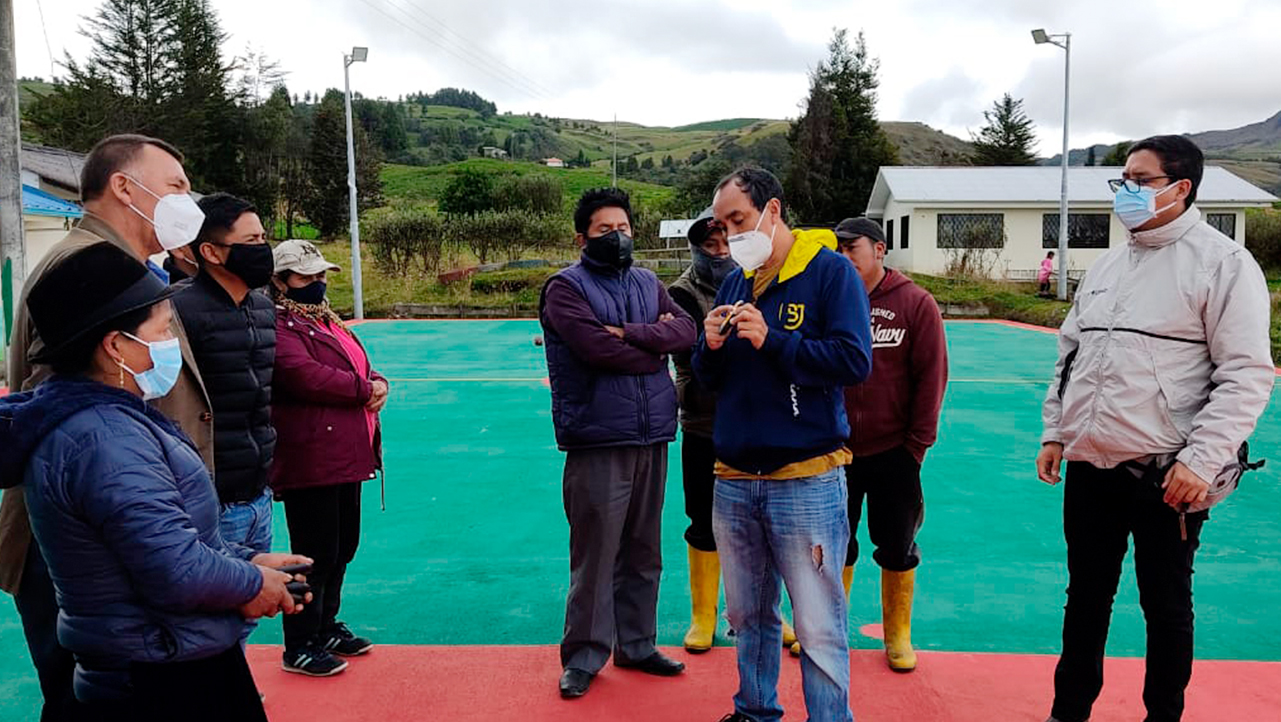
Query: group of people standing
x,y
157,414
815,384
808,383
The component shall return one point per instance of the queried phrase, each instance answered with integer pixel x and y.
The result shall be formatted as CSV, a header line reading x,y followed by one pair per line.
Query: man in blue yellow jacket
x,y
789,331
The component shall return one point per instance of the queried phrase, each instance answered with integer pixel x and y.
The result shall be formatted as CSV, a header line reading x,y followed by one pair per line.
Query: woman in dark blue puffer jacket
x,y
152,603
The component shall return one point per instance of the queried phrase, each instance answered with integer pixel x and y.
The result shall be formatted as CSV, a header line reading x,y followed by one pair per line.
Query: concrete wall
x,y
40,234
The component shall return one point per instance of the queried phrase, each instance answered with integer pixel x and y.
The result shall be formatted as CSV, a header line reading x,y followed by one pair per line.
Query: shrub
x,y
530,193
1263,236
405,237
511,280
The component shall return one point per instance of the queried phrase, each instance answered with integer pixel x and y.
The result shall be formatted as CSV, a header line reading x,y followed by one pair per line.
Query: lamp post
x,y
358,55
1042,38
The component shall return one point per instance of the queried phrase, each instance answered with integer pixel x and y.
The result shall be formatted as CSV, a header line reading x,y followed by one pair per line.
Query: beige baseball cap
x,y
301,257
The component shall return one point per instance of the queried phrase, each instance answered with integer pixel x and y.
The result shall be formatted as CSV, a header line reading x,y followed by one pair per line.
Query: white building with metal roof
x,y
1007,218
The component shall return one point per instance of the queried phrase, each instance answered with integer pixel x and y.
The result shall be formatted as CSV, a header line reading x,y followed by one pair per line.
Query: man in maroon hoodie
x,y
893,421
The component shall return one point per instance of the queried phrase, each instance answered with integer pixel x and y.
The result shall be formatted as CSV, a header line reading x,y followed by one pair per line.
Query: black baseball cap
x,y
851,228
697,231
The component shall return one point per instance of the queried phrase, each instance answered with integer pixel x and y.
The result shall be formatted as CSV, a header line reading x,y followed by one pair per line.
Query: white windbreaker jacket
x,y
1165,351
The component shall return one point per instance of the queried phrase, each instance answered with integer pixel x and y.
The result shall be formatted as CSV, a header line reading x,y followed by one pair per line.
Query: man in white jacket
x,y
1164,368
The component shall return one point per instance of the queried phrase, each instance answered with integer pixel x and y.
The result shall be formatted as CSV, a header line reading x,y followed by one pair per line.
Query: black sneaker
x,y
736,717
342,642
313,661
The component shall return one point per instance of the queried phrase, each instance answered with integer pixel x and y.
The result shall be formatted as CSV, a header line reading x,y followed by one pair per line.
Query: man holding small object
x,y
789,331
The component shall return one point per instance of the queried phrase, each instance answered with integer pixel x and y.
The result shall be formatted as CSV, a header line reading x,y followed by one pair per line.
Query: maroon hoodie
x,y
899,405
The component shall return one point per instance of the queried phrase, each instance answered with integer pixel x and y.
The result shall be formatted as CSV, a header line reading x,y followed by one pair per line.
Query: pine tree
x,y
1089,157
837,144
203,120
1009,136
326,205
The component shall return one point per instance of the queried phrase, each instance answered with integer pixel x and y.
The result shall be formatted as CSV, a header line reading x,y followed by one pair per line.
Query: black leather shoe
x,y
574,683
656,664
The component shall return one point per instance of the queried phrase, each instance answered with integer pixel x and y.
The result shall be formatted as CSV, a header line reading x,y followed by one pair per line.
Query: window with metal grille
x,y
971,230
1085,230
889,235
1225,223
903,225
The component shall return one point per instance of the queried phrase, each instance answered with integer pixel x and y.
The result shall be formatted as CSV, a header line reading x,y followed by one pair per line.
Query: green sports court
x,y
461,580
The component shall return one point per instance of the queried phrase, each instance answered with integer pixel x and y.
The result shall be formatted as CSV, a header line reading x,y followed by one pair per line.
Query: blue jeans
x,y
248,524
795,531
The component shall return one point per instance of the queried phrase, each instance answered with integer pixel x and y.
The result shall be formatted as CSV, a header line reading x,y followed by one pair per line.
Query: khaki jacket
x,y
1165,351
187,404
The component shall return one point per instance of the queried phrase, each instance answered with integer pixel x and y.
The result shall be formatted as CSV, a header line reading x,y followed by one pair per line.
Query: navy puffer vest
x,y
592,408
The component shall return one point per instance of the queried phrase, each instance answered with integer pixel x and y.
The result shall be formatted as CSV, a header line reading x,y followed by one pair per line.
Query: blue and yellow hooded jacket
x,y
785,403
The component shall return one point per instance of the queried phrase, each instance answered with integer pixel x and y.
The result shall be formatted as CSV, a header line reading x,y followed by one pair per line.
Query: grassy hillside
x,y
416,184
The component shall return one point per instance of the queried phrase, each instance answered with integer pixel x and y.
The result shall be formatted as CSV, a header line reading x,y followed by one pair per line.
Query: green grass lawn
x,y
416,184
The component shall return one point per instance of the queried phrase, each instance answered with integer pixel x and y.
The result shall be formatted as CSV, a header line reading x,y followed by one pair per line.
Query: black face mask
x,y
613,249
253,264
313,294
713,269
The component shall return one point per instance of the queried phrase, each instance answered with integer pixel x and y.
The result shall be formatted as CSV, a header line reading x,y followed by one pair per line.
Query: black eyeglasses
x,y
1134,184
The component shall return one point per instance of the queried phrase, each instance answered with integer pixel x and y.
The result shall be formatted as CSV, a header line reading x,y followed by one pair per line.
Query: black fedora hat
x,y
85,291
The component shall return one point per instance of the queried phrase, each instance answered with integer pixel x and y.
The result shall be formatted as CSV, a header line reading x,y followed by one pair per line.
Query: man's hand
x,y
1049,461
751,325
666,317
274,597
615,330
1183,486
712,326
377,396
273,560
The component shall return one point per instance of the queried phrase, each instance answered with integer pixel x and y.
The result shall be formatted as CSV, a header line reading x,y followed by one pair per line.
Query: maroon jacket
x,y
899,405
318,409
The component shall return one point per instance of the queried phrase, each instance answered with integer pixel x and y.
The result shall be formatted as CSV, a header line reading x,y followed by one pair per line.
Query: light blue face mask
x,y
1135,208
166,364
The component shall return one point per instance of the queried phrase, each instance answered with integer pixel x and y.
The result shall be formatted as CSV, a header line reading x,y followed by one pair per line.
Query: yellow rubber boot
x,y
704,590
896,618
847,579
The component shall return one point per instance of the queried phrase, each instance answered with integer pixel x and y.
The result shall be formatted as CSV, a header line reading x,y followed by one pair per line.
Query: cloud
x,y
950,101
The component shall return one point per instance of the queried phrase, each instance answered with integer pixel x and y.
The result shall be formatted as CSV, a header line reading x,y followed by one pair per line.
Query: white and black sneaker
x,y
342,642
313,661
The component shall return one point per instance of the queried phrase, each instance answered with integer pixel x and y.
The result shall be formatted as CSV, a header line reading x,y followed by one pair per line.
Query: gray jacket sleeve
x,y
1052,409
1237,317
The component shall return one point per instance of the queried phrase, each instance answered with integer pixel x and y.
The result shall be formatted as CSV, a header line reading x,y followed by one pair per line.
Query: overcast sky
x,y
1138,68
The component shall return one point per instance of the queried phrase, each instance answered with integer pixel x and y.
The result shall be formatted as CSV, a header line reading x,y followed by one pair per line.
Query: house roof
x,y
54,165
36,202
1034,185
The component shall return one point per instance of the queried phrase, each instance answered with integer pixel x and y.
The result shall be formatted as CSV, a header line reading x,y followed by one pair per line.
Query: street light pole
x,y
12,251
358,55
1042,38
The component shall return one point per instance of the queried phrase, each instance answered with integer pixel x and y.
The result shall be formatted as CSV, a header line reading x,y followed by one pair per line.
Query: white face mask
x,y
178,218
752,249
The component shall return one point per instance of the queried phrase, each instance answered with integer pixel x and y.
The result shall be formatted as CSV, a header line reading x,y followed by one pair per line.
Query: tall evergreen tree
x,y
327,205
1008,137
202,117
1090,158
837,144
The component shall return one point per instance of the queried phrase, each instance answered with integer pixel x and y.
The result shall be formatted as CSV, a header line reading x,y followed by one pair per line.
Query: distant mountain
x,y
1257,141
1251,151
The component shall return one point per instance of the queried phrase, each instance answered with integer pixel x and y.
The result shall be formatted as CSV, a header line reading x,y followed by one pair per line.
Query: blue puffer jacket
x,y
592,408
127,519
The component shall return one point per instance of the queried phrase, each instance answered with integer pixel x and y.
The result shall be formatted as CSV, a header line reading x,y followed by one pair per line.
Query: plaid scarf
x,y
321,313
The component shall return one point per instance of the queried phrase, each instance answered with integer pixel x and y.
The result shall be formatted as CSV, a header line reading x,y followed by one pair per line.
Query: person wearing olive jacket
x,y
325,410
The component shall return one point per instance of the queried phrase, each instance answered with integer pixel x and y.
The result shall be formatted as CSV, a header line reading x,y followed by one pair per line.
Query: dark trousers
x,y
214,689
891,483
324,524
614,504
55,666
698,472
1102,508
